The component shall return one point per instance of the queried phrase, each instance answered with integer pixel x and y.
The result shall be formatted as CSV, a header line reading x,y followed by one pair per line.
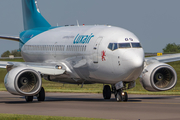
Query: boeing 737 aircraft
x,y
82,55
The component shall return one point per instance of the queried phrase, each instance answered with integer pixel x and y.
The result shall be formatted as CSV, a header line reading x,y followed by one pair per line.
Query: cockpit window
x,y
110,46
124,45
115,46
136,45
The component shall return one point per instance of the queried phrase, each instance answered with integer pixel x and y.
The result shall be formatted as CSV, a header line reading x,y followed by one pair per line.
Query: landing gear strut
x,y
40,96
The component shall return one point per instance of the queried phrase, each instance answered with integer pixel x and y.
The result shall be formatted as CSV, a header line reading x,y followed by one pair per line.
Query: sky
x,y
155,22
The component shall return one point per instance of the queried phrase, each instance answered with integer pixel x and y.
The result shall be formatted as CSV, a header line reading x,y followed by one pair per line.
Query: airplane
x,y
82,54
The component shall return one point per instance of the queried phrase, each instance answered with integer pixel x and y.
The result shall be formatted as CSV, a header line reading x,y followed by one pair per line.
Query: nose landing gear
x,y
119,94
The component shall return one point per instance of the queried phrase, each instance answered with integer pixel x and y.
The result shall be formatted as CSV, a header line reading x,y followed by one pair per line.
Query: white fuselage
x,y
90,53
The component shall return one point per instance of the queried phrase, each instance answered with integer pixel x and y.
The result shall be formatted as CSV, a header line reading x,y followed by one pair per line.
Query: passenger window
x,y
136,45
124,45
85,47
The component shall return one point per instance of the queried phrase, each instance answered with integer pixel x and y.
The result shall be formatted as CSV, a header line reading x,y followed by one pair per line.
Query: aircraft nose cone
x,y
135,58
138,61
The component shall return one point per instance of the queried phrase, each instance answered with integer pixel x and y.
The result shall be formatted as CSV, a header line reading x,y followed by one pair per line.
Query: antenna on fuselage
x,y
77,23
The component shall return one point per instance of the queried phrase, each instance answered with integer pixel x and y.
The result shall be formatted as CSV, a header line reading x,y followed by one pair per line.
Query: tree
x,y
6,54
171,48
16,53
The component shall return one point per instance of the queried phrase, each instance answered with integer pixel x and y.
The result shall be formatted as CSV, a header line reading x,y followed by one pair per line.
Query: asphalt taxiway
x,y
138,107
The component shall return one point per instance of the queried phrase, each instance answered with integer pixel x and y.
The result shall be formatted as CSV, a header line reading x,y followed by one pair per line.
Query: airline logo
x,y
82,39
103,54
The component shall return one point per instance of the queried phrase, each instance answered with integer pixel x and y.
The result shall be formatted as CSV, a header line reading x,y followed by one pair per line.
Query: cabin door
x,y
96,54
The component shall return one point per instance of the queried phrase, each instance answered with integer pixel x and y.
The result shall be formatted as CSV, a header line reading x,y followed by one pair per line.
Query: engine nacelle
x,y
158,77
23,81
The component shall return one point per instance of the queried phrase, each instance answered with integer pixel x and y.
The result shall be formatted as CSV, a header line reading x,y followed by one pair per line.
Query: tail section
x,y
31,15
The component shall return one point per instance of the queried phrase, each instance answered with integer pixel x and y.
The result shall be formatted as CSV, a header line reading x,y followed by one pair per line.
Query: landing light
x,y
122,93
58,67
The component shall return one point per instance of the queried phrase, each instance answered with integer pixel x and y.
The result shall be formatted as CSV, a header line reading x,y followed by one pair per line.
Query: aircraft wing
x,y
165,58
10,38
43,68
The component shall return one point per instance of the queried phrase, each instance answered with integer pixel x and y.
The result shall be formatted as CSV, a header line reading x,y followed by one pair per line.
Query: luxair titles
x,y
82,39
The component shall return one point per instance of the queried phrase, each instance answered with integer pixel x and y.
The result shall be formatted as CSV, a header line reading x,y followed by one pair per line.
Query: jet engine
x,y
158,77
23,81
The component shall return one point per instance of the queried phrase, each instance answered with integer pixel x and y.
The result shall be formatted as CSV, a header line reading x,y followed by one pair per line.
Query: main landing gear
x,y
119,94
107,92
40,96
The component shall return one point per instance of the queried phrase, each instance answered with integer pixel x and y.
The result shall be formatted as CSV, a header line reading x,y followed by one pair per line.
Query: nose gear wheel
x,y
121,96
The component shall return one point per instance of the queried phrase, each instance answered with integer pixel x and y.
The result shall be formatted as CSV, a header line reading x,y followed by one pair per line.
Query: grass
x,y
71,88
15,60
96,88
37,117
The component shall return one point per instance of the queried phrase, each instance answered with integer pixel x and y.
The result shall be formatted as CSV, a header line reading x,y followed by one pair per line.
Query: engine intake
x,y
158,77
23,81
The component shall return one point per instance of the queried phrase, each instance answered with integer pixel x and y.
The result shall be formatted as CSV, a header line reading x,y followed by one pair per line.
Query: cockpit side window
x,y
113,46
136,45
124,45
110,46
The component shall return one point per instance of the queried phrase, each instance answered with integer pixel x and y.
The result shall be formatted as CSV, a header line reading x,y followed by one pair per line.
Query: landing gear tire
x,y
107,92
118,97
29,98
41,95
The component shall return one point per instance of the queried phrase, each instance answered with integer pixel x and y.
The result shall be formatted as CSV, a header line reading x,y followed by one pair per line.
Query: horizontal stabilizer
x,y
10,38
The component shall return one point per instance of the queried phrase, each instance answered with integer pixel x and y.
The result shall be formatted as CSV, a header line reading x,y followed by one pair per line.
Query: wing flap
x,y
43,68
